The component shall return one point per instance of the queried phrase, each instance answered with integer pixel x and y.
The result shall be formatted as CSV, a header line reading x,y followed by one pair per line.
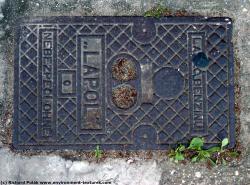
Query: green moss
x,y
158,12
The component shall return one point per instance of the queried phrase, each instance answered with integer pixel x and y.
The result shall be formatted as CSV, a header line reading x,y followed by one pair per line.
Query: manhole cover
x,y
122,82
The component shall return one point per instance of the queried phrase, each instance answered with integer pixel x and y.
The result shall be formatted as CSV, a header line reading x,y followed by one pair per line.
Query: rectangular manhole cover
x,y
122,82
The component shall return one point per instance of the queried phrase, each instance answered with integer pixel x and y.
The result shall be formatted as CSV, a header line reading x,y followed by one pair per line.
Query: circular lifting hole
x,y
124,70
145,136
124,96
144,31
168,83
200,60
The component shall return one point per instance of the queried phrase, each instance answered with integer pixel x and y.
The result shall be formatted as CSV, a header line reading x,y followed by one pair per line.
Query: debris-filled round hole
x,y
200,60
124,70
124,96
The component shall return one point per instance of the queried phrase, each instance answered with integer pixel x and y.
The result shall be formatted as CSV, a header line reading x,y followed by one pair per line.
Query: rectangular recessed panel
x,y
127,83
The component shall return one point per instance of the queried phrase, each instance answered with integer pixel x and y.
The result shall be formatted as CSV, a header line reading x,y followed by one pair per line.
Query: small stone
x,y
129,161
8,121
244,10
183,181
68,164
198,174
236,173
172,172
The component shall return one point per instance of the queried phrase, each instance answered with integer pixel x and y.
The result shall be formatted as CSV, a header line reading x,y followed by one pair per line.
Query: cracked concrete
x,y
134,171
54,168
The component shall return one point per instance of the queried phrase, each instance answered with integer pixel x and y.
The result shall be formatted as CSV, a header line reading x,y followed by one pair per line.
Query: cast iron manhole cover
x,y
122,82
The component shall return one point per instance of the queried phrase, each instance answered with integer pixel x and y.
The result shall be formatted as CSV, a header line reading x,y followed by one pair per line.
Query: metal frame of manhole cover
x,y
124,83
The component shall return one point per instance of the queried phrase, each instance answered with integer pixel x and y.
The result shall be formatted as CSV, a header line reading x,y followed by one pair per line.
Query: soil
x,y
124,70
124,96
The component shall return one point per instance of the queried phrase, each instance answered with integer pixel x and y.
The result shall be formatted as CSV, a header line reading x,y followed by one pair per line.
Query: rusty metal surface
x,y
175,82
